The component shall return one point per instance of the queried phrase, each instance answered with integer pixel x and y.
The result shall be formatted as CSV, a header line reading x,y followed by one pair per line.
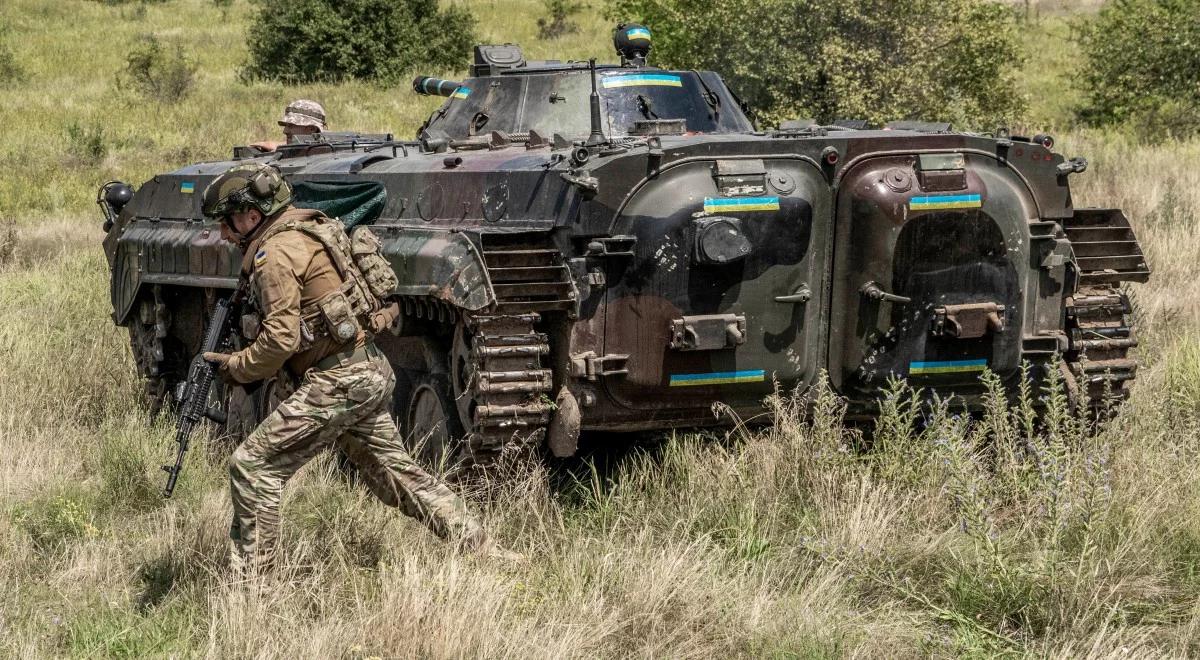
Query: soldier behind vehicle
x,y
300,117
314,299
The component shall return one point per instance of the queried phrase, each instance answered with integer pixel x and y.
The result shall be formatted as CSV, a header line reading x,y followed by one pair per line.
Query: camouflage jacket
x,y
287,271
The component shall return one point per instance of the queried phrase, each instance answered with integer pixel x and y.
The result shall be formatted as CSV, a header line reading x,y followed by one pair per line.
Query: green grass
x,y
781,543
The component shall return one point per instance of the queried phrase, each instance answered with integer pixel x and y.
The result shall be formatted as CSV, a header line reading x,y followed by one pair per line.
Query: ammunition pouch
x,y
376,272
367,279
340,315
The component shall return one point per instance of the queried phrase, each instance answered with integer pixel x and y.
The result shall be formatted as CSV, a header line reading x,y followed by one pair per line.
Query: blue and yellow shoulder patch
x,y
260,258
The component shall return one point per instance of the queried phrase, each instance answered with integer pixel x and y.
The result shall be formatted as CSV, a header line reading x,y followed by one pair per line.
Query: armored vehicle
x,y
616,247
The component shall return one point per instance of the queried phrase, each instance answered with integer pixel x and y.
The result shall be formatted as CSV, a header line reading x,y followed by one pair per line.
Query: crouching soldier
x,y
314,302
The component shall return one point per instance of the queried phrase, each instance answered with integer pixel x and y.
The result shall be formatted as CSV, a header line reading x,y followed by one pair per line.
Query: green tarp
x,y
354,202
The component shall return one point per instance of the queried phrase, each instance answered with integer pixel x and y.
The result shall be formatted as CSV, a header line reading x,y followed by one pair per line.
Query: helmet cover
x,y
252,185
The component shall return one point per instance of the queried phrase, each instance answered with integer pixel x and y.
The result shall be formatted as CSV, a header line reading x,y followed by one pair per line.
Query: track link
x,y
508,384
1101,335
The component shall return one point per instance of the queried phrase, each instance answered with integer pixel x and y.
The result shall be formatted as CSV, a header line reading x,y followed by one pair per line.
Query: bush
x,y
948,60
54,523
86,144
306,40
1143,66
10,70
559,20
158,73
8,241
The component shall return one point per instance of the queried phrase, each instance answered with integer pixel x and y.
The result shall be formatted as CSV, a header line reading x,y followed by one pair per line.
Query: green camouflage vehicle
x,y
616,247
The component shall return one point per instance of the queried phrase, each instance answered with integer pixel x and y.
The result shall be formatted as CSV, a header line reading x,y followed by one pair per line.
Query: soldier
x,y
312,301
300,117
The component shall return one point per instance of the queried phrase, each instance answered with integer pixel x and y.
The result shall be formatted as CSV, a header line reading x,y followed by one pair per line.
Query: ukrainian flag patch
x,y
461,93
260,258
727,204
642,80
187,187
718,378
945,202
946,367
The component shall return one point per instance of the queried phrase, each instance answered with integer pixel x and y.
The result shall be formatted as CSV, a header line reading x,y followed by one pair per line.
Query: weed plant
x,y
559,19
10,71
157,72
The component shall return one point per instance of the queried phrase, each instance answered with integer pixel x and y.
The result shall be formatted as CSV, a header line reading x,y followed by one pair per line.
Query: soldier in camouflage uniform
x,y
300,117
309,322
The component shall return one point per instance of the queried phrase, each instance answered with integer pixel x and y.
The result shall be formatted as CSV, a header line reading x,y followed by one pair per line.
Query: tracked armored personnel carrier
x,y
616,247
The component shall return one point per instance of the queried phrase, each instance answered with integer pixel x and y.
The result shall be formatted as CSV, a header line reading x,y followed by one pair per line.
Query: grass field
x,y
780,543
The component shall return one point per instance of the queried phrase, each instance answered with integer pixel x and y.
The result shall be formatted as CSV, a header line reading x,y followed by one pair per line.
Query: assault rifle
x,y
193,406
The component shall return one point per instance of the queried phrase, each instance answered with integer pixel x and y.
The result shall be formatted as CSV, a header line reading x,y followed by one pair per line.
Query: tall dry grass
x,y
947,539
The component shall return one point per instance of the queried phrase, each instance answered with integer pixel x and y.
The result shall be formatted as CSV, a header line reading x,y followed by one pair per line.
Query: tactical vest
x,y
367,279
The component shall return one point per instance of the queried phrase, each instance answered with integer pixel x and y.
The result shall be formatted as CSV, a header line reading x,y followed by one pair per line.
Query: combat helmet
x,y
251,185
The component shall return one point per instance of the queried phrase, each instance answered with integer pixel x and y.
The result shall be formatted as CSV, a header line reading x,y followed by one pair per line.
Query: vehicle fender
x,y
439,263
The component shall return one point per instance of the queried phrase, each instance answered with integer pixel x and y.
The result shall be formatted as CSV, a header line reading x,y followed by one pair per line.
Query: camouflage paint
x,y
607,249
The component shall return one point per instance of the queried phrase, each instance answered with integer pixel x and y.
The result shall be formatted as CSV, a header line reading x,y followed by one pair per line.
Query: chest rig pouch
x,y
366,279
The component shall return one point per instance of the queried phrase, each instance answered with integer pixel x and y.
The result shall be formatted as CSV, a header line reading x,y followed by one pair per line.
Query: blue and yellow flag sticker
x,y
260,258
461,93
642,80
728,204
187,187
945,202
946,367
638,34
718,378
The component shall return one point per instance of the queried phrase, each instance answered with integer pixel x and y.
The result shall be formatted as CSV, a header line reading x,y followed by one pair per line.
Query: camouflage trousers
x,y
347,407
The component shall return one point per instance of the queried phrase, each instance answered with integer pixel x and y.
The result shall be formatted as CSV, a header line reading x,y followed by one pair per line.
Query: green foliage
x,y
162,74
949,60
10,70
121,464
328,40
53,523
8,241
559,19
86,143
1143,66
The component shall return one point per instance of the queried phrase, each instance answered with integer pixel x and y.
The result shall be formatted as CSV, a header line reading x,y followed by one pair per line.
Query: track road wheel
x,y
428,418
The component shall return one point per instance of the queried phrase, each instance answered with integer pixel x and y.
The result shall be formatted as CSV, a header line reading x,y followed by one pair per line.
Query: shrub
x,y
86,143
558,22
1142,66
10,70
8,241
53,523
305,40
948,60
159,73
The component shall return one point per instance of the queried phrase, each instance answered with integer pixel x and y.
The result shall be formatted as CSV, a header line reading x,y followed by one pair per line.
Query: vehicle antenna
x,y
597,136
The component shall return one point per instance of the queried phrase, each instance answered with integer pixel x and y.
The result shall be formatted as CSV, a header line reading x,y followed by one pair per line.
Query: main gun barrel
x,y
428,86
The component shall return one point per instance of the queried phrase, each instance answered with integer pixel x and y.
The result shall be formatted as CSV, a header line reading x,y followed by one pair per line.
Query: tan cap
x,y
303,112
